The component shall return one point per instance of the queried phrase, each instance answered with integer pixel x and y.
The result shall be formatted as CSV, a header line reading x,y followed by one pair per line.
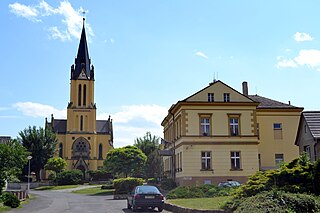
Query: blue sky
x,y
150,54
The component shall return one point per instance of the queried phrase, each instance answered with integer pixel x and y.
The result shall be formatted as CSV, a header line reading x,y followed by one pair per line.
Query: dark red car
x,y
145,197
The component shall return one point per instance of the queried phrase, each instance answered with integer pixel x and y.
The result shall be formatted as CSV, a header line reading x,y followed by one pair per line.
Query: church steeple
x,y
82,70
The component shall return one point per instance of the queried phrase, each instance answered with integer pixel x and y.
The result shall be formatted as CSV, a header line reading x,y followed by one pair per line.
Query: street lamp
x,y
29,158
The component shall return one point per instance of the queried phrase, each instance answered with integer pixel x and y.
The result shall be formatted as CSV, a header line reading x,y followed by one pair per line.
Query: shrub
x,y
10,200
206,190
97,175
126,185
69,177
168,184
275,201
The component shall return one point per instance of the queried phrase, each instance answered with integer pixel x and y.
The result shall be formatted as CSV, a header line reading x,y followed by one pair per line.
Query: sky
x,y
150,54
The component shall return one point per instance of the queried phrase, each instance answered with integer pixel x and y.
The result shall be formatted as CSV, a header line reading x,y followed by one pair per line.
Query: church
x,y
83,141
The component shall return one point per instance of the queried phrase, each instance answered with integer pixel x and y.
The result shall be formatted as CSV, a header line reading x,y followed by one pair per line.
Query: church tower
x,y
83,140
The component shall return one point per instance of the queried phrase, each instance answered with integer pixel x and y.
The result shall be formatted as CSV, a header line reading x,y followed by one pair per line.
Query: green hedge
x,y
126,185
207,190
69,177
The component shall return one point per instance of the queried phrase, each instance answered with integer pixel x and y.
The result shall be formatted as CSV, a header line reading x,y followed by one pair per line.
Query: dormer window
x,y
226,97
210,97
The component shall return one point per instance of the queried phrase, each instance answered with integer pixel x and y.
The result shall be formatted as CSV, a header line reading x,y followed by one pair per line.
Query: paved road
x,y
66,202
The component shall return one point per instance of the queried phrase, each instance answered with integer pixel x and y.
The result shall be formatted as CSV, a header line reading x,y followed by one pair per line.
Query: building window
x,y
259,159
205,125
315,152
278,159
235,160
226,97
258,131
205,160
81,123
84,95
79,95
277,131
100,151
61,150
234,125
307,150
210,97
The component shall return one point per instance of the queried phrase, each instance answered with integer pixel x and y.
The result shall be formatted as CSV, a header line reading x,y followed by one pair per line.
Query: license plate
x,y
149,197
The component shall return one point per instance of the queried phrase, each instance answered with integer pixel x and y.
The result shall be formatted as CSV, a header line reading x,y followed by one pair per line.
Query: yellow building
x,y
83,140
219,134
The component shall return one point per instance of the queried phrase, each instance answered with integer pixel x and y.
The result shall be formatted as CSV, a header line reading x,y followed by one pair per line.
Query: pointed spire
x,y
82,61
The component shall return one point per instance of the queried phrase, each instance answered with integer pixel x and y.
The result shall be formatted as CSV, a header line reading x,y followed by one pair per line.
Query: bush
x,y
97,175
126,185
168,184
69,177
276,201
10,200
206,190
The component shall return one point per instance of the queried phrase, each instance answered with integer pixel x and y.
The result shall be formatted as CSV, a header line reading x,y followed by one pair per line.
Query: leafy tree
x,y
56,164
41,143
147,143
150,146
13,156
128,160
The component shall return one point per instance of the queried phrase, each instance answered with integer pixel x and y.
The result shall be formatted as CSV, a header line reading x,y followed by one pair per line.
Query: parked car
x,y
229,183
145,197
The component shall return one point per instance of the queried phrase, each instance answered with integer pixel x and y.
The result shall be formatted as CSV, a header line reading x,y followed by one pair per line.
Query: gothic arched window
x,y
84,95
100,151
81,148
79,95
61,150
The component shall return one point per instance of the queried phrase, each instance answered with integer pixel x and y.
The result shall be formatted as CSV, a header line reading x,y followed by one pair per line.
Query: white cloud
x,y
28,12
134,121
286,63
72,20
309,58
39,110
201,54
299,37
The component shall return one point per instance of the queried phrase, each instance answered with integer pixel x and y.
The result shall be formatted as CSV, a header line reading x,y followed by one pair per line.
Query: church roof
x,y
102,126
82,60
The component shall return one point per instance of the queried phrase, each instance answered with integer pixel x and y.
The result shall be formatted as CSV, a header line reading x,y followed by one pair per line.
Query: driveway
x,y
65,201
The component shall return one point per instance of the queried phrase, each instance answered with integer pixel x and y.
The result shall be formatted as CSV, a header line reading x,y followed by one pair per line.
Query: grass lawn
x,y
96,191
56,187
201,203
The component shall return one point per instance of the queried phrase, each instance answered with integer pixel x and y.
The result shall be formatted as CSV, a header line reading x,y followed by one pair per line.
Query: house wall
x,y
268,145
306,139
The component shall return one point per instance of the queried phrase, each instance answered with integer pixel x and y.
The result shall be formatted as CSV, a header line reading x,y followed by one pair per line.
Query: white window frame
x,y
235,157
210,97
278,159
206,159
226,97
234,126
205,125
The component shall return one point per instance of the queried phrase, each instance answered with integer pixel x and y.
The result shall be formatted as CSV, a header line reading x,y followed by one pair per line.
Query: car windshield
x,y
147,190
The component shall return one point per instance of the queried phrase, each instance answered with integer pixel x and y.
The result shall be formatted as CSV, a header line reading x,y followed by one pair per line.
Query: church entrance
x,y
81,155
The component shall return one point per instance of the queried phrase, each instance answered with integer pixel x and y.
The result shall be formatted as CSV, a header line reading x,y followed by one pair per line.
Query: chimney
x,y
245,88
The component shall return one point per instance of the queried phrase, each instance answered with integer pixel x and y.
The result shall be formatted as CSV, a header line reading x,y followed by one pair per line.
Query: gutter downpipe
x,y
174,149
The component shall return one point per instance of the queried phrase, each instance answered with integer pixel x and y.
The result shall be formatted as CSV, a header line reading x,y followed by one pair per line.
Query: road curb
x,y
179,209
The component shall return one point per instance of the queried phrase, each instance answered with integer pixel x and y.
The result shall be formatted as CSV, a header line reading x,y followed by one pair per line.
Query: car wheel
x,y
128,205
134,208
160,209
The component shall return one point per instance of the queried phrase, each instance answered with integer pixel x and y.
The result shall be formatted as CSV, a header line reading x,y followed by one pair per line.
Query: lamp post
x,y
29,158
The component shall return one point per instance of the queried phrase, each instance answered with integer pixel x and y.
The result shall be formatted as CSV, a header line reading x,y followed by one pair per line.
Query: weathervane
x,y
83,14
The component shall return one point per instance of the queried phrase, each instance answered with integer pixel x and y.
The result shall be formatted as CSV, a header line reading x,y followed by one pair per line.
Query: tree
x,y
147,144
150,147
125,161
41,143
13,157
56,164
